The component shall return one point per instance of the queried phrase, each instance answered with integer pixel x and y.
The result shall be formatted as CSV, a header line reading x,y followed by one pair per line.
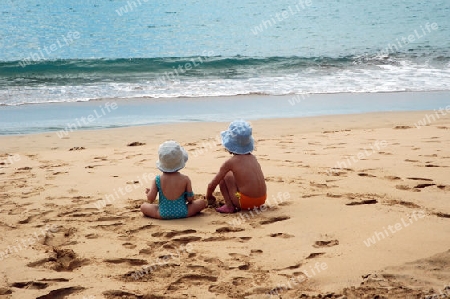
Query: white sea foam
x,y
403,76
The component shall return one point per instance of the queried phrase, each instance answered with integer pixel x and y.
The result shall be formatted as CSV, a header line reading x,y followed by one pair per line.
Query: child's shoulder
x,y
184,177
241,157
177,178
237,160
176,174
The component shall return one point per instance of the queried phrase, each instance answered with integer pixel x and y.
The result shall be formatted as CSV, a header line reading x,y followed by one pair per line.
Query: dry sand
x,y
390,184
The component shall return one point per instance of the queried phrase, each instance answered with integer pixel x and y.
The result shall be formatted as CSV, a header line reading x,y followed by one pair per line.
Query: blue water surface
x,y
184,28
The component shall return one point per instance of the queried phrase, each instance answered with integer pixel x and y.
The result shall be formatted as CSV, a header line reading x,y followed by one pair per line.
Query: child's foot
x,y
226,209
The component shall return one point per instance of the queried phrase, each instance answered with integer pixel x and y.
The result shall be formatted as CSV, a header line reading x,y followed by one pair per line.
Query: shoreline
x,y
252,94
307,124
41,118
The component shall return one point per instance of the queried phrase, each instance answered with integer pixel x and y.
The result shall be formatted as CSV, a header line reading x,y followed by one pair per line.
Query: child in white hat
x,y
176,199
240,178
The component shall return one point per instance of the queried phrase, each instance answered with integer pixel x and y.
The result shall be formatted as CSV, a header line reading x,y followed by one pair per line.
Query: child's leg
x,y
150,210
196,206
228,188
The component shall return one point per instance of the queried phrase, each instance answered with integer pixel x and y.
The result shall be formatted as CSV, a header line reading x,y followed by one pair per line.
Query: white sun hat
x,y
172,157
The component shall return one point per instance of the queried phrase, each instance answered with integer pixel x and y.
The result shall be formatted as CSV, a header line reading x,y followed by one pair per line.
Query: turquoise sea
x,y
54,52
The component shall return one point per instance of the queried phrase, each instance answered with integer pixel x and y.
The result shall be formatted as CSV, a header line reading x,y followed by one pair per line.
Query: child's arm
x,y
224,169
189,191
151,193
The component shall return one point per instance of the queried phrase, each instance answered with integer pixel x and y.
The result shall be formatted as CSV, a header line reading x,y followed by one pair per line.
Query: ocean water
x,y
56,51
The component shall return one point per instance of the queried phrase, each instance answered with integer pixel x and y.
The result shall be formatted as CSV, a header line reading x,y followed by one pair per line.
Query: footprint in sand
x,y
255,252
136,143
92,166
26,220
240,287
274,179
62,293
91,236
238,256
314,255
442,215
222,238
188,280
37,285
244,239
146,251
109,218
186,240
362,202
274,219
59,172
129,261
336,172
420,179
385,153
333,195
421,186
82,199
24,168
444,187
330,243
62,237
61,260
412,161
217,239
113,294
109,227
101,158
366,175
176,243
402,187
293,267
129,245
173,233
281,235
318,185
75,212
403,203
241,281
229,229
239,261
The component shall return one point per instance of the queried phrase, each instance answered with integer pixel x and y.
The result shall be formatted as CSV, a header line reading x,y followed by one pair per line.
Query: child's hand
x,y
211,199
147,193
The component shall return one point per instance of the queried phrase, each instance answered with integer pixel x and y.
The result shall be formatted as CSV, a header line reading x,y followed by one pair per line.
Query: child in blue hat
x,y
240,178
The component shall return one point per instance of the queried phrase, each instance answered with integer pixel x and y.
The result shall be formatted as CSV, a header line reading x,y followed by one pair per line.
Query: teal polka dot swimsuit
x,y
172,209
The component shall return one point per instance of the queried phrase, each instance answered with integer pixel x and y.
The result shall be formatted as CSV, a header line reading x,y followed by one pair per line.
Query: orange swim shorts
x,y
248,203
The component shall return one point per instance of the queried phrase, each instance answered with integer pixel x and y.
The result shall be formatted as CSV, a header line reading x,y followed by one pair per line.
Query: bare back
x,y
248,175
175,184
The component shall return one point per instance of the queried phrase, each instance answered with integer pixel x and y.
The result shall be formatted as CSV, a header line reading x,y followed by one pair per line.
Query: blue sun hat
x,y
238,138
172,157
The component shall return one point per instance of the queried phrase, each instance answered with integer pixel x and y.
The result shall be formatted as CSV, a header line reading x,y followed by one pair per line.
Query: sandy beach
x,y
358,206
